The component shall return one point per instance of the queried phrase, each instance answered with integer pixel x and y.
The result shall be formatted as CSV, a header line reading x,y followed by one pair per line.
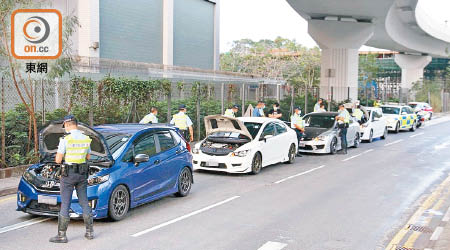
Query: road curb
x,y
8,191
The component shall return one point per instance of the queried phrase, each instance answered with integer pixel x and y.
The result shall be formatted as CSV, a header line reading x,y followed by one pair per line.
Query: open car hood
x,y
219,123
50,135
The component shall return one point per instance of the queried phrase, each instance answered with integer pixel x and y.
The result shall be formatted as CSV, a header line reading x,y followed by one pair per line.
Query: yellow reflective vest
x,y
180,121
229,113
297,119
76,149
358,114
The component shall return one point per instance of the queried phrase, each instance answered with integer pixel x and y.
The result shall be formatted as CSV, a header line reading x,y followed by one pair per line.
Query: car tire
x,y
384,134
184,182
119,203
413,127
397,128
431,115
370,136
291,154
256,163
333,146
357,140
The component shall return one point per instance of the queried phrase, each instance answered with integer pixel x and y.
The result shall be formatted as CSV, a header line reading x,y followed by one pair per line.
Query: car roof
x,y
130,128
323,113
372,108
395,106
257,119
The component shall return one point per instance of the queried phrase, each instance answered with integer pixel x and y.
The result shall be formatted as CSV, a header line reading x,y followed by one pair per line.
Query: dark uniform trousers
x,y
185,134
76,181
343,136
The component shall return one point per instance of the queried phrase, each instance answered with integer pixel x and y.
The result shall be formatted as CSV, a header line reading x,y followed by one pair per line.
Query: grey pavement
x,y
322,202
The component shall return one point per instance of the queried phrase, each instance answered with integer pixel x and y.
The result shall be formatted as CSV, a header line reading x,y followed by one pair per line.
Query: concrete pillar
x,y
412,68
168,6
89,31
339,41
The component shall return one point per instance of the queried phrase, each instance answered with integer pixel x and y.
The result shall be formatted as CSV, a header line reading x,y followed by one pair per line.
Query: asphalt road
x,y
354,201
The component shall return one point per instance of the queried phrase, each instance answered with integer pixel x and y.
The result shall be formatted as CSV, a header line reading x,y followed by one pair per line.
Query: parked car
x,y
322,134
244,144
423,107
375,125
399,117
130,164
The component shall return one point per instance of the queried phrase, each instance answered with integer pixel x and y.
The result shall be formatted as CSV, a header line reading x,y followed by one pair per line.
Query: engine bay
x,y
212,147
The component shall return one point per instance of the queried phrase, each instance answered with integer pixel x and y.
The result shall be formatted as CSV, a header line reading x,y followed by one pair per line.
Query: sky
x,y
267,19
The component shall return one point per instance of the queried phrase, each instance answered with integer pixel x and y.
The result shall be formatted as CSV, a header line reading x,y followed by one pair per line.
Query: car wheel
x,y
431,115
384,134
333,146
256,163
184,182
291,154
397,128
357,140
119,203
413,127
370,136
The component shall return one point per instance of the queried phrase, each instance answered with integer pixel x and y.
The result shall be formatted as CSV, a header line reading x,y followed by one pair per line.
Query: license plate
x,y
50,200
302,144
212,164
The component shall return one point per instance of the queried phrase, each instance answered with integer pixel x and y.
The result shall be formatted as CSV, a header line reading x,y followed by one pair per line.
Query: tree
x,y
24,83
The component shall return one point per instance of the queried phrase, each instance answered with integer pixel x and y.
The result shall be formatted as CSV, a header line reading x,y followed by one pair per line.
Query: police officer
x,y
151,118
317,106
75,149
358,114
377,103
183,122
343,120
231,112
297,124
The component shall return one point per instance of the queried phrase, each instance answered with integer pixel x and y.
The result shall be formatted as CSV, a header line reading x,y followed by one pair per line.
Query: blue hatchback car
x,y
130,164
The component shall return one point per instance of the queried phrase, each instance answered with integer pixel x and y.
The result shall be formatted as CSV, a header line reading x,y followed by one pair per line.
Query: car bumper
x,y
316,147
365,133
229,164
391,124
27,201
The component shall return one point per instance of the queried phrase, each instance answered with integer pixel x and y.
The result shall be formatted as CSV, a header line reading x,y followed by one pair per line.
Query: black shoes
x,y
63,223
89,223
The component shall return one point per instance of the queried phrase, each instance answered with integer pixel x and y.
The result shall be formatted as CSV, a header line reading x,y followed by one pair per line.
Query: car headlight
x,y
28,176
95,180
195,150
320,138
241,153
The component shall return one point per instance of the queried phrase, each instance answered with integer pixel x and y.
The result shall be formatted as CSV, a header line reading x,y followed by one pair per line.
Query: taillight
x,y
188,146
422,119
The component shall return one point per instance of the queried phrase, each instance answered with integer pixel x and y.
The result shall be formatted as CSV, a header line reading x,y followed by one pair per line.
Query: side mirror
x,y
141,158
264,138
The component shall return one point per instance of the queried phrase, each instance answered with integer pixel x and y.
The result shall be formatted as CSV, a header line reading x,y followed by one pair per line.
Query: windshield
x,y
319,121
391,110
115,140
225,135
253,128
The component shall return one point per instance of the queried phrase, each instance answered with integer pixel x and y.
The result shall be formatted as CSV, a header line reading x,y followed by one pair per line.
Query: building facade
x,y
169,32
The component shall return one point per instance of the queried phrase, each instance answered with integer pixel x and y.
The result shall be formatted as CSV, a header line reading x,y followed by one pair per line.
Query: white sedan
x,y
375,125
244,144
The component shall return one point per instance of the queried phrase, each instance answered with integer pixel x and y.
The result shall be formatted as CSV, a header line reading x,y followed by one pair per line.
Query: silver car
x,y
322,134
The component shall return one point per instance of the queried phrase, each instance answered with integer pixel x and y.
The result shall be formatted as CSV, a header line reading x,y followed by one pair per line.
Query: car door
x,y
376,123
351,132
282,142
381,123
145,176
169,157
267,145
404,117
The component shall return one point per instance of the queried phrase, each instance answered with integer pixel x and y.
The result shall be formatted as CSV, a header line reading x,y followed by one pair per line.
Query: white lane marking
x,y
23,224
446,216
299,174
394,142
442,146
184,217
367,151
437,232
272,245
352,157
412,136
